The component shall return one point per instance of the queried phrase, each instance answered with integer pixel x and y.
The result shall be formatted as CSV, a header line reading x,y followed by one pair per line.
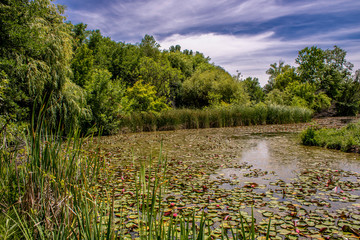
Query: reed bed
x,y
47,188
214,118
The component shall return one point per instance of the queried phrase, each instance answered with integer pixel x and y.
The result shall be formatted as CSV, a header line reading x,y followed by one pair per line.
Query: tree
x,y
274,71
104,98
349,101
82,65
182,62
149,47
253,88
80,34
143,98
35,54
331,74
283,79
125,63
212,87
103,49
160,75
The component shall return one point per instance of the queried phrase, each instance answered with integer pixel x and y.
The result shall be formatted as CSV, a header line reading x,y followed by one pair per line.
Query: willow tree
x,y
35,53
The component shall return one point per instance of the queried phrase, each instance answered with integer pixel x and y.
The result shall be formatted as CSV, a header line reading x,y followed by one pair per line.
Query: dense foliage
x,y
323,81
87,80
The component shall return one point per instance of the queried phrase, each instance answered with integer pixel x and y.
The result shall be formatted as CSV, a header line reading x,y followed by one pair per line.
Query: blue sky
x,y
243,35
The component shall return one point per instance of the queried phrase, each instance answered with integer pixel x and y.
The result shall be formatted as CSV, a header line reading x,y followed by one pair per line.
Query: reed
x,y
218,117
46,187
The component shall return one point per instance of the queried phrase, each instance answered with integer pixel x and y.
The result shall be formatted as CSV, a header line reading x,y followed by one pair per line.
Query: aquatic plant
x,y
227,116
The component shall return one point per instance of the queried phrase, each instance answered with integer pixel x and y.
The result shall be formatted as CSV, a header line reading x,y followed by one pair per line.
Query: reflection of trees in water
x,y
284,155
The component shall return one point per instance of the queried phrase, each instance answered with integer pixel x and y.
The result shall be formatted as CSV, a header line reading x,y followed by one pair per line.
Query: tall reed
x,y
214,117
46,188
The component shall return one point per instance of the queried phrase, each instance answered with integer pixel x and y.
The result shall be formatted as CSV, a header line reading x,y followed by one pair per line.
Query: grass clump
x,y
48,188
224,116
346,139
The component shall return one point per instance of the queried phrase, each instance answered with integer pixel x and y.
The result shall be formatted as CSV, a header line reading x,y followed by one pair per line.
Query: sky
x,y
239,35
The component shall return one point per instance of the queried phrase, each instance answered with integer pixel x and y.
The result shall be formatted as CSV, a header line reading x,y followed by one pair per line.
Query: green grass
x,y
346,139
215,118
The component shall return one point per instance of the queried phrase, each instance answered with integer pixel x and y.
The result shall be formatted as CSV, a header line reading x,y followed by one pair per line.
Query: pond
x,y
308,192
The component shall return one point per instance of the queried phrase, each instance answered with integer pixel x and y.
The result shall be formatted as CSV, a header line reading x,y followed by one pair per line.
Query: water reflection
x,y
280,157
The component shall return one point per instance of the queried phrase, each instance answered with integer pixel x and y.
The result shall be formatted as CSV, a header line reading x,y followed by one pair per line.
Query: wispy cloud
x,y
252,54
133,19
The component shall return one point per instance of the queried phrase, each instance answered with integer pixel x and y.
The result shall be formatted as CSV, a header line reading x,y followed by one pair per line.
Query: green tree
x,y
80,34
160,75
253,88
103,49
82,65
35,54
149,47
274,71
311,64
103,97
283,79
143,98
331,74
125,63
182,62
212,87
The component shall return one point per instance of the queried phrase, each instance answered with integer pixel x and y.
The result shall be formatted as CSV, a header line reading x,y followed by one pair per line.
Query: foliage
x,y
253,88
160,75
323,79
125,63
329,71
142,98
103,97
82,65
212,87
35,54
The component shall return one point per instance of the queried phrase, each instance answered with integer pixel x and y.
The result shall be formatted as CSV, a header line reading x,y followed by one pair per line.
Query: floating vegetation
x,y
216,177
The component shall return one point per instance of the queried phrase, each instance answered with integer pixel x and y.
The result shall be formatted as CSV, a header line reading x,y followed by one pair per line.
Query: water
x,y
283,154
234,168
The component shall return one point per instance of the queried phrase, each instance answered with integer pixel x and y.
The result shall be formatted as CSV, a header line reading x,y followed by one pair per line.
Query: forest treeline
x,y
89,81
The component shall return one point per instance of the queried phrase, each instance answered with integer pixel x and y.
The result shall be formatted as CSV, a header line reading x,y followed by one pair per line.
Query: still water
x,y
226,171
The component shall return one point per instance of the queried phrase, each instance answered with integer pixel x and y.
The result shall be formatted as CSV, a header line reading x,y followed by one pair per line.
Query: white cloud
x,y
252,54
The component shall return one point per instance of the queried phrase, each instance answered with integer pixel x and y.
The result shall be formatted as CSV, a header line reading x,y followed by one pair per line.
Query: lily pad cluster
x,y
206,176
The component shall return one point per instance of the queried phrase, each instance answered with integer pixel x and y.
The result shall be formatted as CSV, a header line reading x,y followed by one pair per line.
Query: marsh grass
x,y
46,187
215,117
346,139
